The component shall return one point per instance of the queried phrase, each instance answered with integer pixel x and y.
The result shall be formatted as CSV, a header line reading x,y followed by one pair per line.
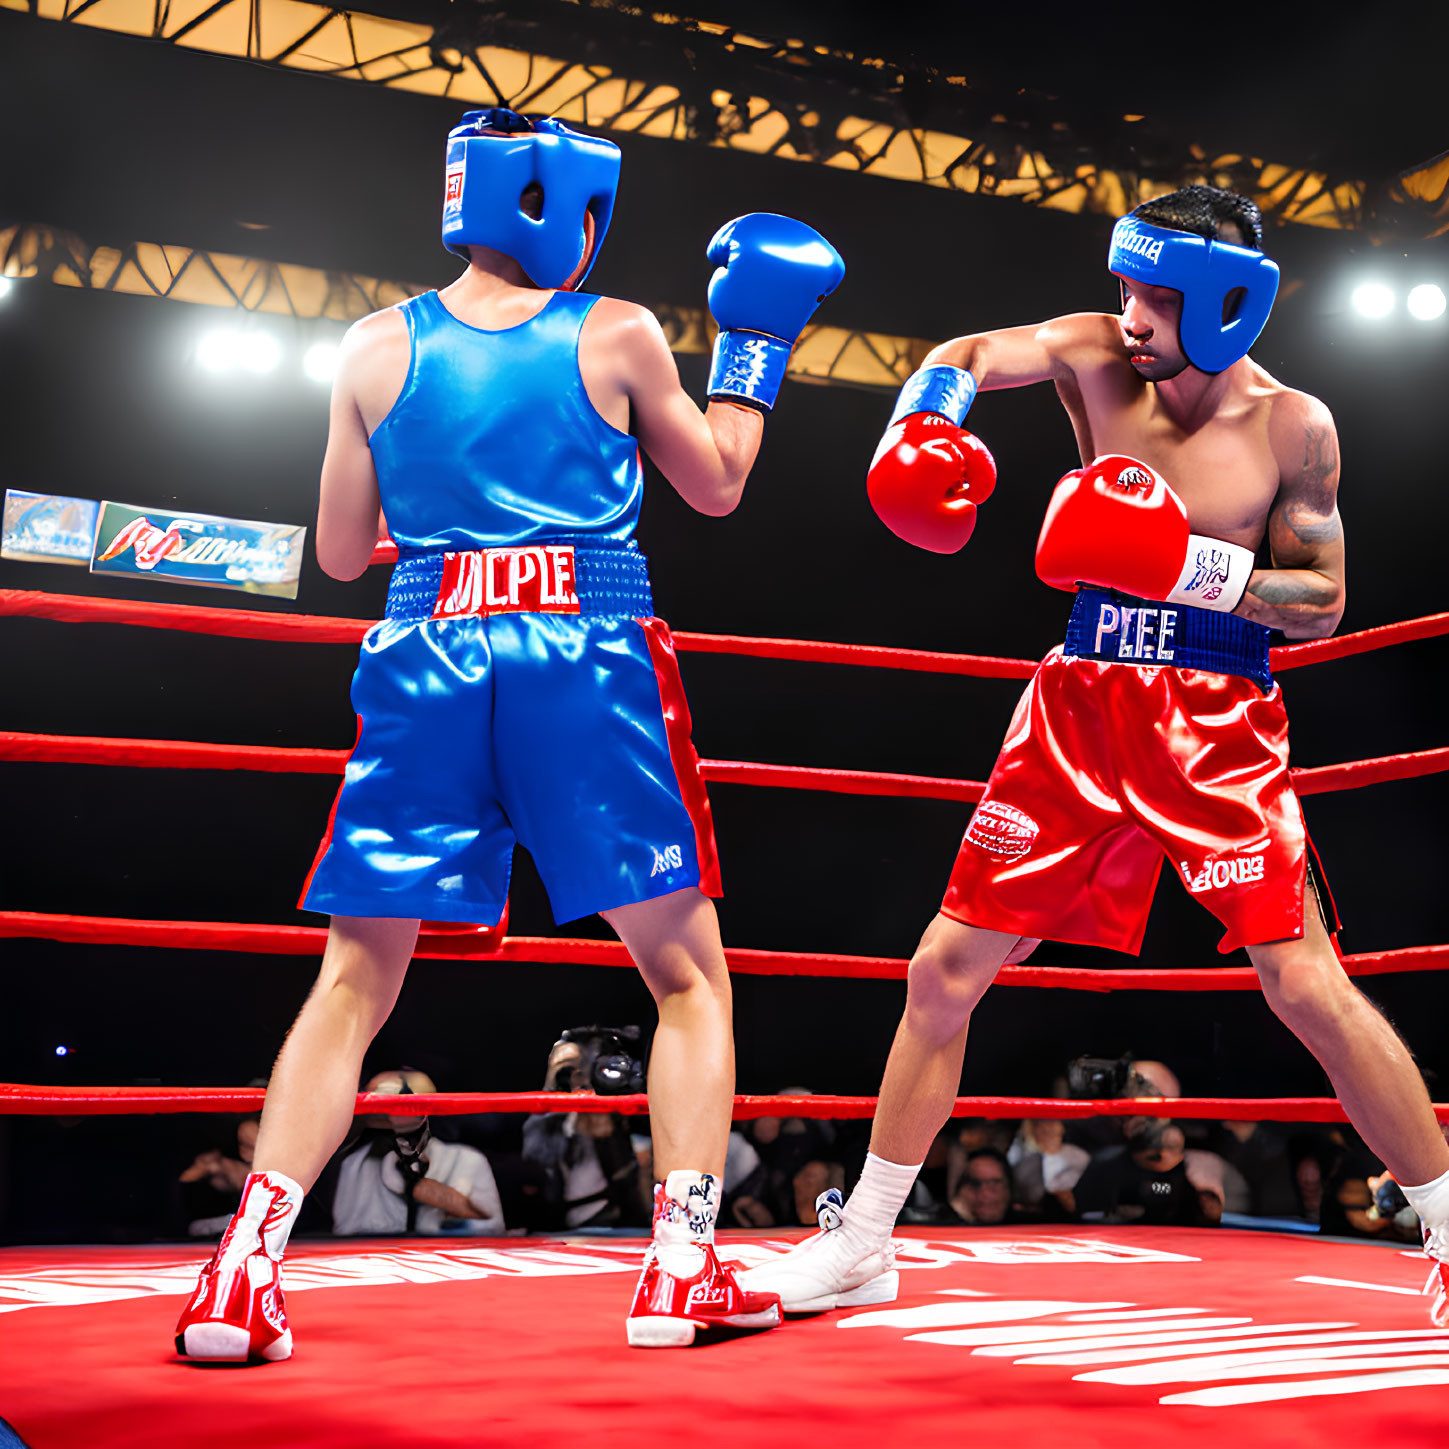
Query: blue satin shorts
x,y
567,733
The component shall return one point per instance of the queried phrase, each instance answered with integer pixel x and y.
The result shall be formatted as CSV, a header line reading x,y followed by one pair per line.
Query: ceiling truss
x,y
715,86
187,274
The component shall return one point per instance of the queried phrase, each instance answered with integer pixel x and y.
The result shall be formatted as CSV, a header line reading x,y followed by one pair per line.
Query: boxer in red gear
x,y
1156,732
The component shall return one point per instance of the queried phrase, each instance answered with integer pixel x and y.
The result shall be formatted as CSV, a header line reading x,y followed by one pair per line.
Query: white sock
x,y
1430,1200
691,1201
878,1198
685,1224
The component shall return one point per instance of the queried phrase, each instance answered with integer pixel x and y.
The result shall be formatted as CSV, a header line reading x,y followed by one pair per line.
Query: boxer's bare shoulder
x,y
623,354
372,365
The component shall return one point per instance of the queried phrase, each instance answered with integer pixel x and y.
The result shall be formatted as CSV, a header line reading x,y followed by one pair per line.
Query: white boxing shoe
x,y
831,1269
1436,1290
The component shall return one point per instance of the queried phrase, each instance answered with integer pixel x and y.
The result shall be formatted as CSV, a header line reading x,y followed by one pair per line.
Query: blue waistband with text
x,y
1119,628
610,578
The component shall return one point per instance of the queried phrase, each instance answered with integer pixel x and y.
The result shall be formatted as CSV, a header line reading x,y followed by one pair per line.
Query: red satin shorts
x,y
1107,768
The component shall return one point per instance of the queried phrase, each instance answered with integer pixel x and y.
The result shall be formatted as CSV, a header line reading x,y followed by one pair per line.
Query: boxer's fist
x,y
926,479
1115,523
1118,524
771,272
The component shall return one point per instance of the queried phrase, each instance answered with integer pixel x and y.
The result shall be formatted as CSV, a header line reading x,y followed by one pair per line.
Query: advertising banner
x,y
44,528
199,548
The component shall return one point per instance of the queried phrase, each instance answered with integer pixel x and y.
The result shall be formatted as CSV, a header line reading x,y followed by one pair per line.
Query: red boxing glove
x,y
1118,524
926,479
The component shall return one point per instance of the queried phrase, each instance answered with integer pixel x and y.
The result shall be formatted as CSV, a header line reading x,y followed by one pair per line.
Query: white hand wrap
x,y
1215,574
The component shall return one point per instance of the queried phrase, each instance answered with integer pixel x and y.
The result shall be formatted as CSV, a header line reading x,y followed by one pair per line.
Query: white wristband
x,y
1215,574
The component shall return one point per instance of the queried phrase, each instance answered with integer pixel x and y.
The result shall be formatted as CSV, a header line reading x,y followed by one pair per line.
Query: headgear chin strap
x,y
493,156
1227,291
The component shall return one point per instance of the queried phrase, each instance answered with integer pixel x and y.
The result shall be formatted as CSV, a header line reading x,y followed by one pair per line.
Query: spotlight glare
x,y
320,361
5,285
1373,299
217,350
1426,302
259,352
62,1051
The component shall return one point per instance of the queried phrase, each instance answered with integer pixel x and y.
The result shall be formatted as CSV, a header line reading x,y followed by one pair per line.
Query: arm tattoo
x,y
1284,588
1304,524
1310,513
1320,463
1302,593
1311,528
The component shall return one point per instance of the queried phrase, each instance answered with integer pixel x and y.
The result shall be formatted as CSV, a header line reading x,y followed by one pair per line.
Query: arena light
x,y
259,352
1426,302
320,361
217,350
1373,299
226,349
5,285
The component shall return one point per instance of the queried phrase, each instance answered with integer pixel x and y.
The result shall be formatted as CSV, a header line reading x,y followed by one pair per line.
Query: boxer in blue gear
x,y
552,720
520,687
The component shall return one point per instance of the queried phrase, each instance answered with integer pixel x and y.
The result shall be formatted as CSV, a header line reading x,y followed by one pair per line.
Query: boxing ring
x,y
1086,1334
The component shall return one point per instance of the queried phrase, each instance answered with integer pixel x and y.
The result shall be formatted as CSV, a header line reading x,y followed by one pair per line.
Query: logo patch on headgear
x,y
1129,239
1002,831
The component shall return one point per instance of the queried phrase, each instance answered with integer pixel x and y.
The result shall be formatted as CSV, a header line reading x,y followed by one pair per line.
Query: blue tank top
x,y
493,439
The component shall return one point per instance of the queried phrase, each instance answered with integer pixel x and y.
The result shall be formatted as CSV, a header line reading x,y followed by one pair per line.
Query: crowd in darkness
x,y
567,1171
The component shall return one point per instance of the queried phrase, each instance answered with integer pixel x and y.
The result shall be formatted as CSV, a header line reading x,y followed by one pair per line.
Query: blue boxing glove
x,y
772,274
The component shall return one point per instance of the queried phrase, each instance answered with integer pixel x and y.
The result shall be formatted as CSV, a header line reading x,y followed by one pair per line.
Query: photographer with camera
x,y
398,1178
1152,1176
592,1175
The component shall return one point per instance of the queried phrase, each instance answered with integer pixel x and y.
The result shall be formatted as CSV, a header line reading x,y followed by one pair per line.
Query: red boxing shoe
x,y
237,1313
684,1287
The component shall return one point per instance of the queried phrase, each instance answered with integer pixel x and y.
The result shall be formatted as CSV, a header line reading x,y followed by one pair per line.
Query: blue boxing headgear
x,y
493,157
1227,291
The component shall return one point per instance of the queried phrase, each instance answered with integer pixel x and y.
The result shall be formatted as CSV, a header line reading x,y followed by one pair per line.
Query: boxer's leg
x,y
675,942
852,1264
237,1311
948,975
1374,1076
310,1095
1370,1067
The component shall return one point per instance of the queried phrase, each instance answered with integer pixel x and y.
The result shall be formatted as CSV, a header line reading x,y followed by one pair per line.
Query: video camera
x,y
1100,1077
607,1063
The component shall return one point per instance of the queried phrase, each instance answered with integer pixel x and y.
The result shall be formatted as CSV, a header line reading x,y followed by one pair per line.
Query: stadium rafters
x,y
218,279
624,68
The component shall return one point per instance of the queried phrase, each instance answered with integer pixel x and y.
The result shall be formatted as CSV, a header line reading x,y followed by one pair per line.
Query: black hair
x,y
994,1156
1204,211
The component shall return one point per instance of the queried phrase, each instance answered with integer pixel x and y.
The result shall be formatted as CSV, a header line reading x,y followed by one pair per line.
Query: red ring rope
x,y
22,1100
17,1099
192,755
307,940
316,629
273,940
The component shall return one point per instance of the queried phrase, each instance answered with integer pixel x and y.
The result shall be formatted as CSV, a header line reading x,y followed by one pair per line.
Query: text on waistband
x,y
533,580
1139,633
